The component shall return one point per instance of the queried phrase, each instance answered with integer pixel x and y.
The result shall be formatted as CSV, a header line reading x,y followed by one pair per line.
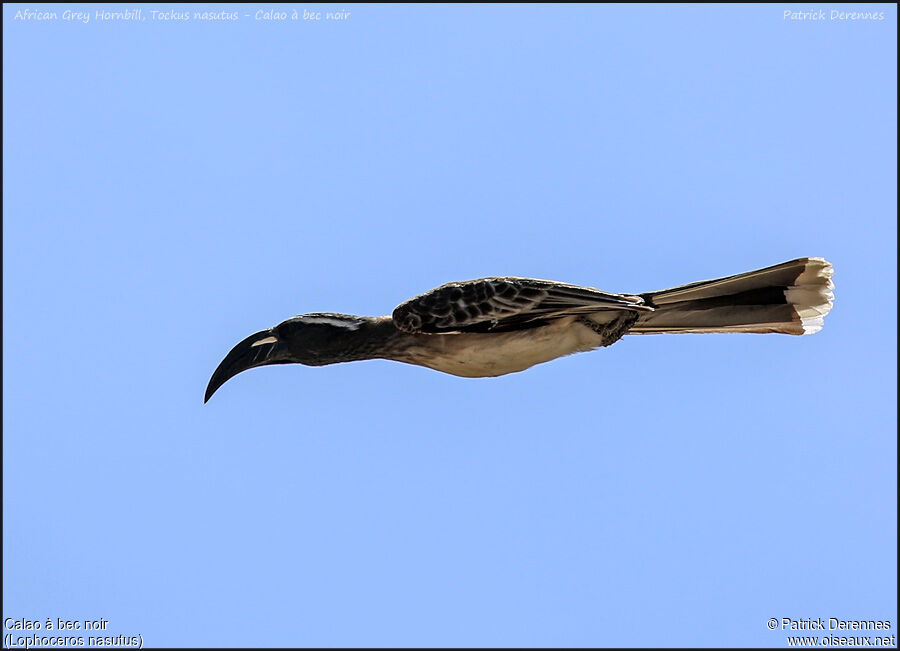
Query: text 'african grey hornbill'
x,y
495,326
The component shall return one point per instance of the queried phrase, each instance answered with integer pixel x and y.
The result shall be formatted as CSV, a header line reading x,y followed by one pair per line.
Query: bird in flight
x,y
494,326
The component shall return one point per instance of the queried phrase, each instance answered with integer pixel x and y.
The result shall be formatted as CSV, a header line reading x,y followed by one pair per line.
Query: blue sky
x,y
171,187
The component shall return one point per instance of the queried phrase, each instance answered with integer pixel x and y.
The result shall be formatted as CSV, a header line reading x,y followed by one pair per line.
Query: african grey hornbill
x,y
495,326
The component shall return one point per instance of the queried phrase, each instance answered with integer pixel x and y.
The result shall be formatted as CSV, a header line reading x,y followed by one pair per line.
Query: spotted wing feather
x,y
503,304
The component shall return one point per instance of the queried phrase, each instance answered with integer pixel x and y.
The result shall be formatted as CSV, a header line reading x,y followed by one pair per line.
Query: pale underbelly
x,y
490,355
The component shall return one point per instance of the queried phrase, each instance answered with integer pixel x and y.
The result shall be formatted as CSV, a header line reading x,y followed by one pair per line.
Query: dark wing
x,y
503,304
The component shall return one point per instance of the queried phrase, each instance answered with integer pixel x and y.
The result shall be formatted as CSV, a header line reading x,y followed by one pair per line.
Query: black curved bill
x,y
258,349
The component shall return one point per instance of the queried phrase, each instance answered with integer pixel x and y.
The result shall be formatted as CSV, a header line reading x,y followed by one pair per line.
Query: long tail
x,y
791,298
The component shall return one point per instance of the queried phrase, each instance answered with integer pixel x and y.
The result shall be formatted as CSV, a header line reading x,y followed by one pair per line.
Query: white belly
x,y
490,355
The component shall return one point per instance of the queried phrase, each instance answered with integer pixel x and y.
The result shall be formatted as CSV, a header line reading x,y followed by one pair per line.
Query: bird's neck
x,y
376,338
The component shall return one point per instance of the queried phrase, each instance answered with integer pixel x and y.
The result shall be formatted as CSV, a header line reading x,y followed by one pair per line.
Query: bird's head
x,y
310,339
